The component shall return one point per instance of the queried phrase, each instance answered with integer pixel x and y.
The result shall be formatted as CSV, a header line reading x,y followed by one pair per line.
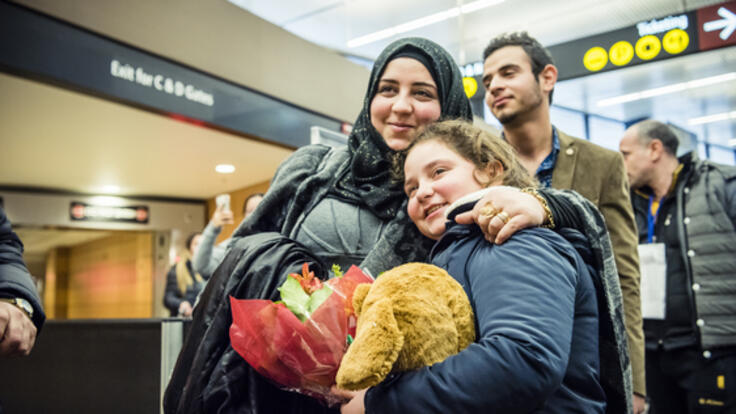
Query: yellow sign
x,y
621,53
470,85
675,41
648,47
595,59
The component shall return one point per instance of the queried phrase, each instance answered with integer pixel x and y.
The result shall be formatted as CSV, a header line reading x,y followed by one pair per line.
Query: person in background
x,y
251,203
183,284
209,255
519,77
685,209
21,313
533,297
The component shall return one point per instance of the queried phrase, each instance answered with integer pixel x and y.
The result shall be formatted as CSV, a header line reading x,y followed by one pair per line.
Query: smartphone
x,y
223,202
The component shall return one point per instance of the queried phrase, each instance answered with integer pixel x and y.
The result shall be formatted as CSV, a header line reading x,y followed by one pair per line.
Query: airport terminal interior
x,y
122,122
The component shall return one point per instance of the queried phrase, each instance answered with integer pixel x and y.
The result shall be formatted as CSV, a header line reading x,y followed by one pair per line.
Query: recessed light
x,y
110,189
725,116
732,142
421,22
225,168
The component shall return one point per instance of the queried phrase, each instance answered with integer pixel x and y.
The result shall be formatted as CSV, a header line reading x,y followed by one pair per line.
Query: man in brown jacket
x,y
519,77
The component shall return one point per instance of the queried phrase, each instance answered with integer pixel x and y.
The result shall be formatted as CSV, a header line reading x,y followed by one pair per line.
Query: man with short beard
x,y
685,210
519,77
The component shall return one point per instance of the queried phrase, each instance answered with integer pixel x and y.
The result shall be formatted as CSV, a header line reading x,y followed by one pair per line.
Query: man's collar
x,y
555,140
646,191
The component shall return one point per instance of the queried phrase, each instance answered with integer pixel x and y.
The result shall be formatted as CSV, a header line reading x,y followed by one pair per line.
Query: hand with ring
x,y
502,212
503,216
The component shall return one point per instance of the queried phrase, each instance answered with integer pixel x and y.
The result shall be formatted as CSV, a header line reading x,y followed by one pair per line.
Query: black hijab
x,y
369,179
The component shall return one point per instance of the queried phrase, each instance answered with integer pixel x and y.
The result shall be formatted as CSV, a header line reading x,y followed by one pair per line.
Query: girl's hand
x,y
354,400
502,212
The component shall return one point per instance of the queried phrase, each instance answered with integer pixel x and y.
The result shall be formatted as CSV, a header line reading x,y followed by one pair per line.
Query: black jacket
x,y
209,376
173,296
15,281
697,224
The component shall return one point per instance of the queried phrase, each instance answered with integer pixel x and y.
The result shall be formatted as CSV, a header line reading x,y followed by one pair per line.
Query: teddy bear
x,y
413,315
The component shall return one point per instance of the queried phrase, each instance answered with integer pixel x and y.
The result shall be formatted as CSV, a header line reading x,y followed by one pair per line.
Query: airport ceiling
x,y
60,139
335,23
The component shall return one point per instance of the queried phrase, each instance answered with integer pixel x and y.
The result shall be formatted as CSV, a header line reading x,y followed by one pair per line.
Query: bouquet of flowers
x,y
298,342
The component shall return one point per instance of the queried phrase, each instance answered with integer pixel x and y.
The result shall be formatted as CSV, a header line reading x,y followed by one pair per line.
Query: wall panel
x,y
112,277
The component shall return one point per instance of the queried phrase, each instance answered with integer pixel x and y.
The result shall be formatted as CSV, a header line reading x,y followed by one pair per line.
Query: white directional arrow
x,y
727,23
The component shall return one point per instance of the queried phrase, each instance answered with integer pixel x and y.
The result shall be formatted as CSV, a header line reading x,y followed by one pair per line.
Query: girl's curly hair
x,y
474,144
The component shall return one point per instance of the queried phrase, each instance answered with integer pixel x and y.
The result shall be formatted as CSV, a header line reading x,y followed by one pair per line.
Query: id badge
x,y
653,268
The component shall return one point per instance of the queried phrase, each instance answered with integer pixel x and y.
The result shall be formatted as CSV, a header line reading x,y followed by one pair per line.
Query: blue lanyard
x,y
651,219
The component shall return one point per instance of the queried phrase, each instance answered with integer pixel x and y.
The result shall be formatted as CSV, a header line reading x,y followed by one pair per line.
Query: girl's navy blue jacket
x,y
537,331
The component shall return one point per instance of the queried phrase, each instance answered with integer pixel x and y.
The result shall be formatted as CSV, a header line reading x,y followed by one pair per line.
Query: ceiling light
x,y
732,142
712,118
421,22
110,189
106,201
225,168
664,90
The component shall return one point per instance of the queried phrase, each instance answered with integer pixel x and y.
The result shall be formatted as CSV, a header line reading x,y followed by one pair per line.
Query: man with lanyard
x,y
686,212
519,77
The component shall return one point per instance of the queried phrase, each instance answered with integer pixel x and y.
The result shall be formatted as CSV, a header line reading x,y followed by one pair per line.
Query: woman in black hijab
x,y
342,203
344,207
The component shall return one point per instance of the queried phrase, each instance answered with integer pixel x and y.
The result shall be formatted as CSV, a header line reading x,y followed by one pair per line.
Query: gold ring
x,y
503,216
488,210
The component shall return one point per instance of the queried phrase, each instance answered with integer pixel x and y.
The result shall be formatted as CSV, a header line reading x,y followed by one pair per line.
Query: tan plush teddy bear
x,y
412,316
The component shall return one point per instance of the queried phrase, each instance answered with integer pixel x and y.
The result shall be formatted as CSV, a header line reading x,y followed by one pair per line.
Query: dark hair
x,y
651,129
538,55
245,203
190,239
475,145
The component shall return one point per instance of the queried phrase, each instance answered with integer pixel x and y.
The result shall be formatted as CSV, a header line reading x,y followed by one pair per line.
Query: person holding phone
x,y
210,255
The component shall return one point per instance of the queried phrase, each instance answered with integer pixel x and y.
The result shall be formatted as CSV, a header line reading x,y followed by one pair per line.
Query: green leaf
x,y
336,270
294,297
318,297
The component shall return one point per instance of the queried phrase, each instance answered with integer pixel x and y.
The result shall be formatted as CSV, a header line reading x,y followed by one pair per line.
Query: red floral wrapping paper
x,y
299,356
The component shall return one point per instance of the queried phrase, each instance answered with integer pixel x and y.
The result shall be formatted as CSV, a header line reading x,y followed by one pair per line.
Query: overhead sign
x,y
470,85
647,41
159,82
65,55
717,26
79,211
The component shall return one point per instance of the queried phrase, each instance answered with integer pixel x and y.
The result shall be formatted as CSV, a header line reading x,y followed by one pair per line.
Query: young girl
x,y
534,297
